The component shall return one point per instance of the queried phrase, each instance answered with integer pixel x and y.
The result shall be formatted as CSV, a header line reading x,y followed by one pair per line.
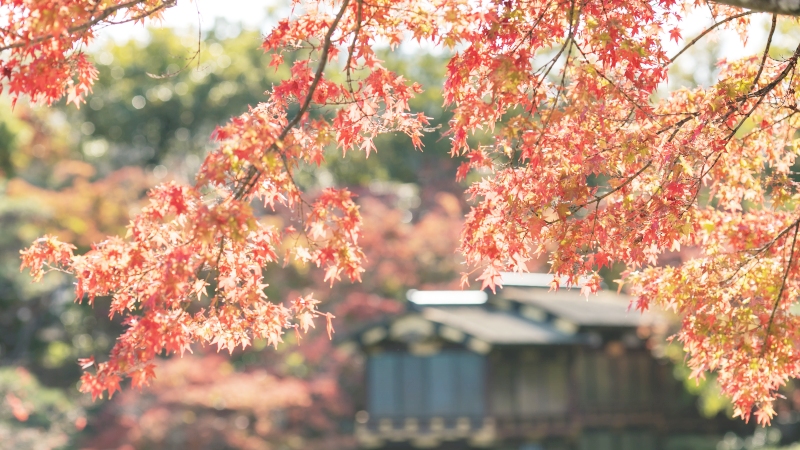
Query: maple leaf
x,y
277,60
332,274
764,415
306,320
18,409
303,254
491,278
85,363
675,34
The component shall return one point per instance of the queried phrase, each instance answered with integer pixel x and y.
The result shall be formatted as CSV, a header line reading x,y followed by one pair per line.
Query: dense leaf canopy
x,y
559,113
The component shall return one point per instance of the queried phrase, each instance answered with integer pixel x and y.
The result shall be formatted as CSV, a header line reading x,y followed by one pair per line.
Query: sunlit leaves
x,y
556,110
587,167
42,44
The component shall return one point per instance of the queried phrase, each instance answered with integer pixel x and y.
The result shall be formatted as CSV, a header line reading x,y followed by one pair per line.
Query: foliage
x,y
205,404
40,329
61,188
710,401
157,103
554,109
321,384
34,417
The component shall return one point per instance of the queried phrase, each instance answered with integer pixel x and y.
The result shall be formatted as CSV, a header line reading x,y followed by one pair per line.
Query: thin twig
x,y
762,93
625,183
352,50
83,27
766,50
708,30
190,59
567,45
783,284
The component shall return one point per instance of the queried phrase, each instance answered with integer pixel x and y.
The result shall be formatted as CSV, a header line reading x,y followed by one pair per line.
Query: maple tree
x,y
587,160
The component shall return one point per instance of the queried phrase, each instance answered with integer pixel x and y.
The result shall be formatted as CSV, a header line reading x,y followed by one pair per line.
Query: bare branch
x,y
708,30
783,283
766,50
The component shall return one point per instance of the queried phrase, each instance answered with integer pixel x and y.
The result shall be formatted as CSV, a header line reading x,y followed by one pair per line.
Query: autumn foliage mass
x,y
560,116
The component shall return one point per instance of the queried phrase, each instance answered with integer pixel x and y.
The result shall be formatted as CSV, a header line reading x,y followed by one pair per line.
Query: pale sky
x,y
249,13
254,14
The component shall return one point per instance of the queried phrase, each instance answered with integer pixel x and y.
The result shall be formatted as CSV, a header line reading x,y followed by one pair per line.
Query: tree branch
x,y
106,13
766,50
708,30
348,64
783,283
253,173
786,7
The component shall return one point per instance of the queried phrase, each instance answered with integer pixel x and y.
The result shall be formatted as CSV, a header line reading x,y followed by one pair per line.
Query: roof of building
x,y
536,279
526,312
447,297
606,308
496,327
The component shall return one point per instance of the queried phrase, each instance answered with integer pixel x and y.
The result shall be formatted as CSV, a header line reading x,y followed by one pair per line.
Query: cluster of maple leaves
x,y
310,388
585,162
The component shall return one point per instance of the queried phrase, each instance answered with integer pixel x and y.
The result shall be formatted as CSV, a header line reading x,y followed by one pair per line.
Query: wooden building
x,y
525,369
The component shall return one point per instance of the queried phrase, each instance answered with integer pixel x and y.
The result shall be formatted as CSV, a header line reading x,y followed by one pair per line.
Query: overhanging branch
x,y
787,7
